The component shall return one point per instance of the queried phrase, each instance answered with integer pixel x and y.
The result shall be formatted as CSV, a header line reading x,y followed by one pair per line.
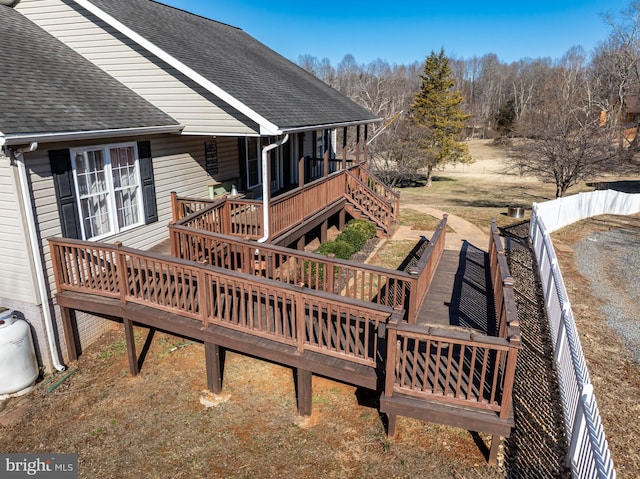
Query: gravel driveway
x,y
611,262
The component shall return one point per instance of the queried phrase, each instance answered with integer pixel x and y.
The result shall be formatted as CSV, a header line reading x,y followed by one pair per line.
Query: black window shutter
x,y
65,193
148,184
242,162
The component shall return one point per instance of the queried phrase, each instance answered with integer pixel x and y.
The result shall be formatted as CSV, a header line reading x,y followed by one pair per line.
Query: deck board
x,y
459,294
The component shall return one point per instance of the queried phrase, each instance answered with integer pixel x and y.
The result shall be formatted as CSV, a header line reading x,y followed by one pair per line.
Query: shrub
x,y
367,228
354,237
341,249
313,274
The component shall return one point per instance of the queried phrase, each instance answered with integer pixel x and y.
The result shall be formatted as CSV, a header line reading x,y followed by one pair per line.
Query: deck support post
x,y
131,346
342,217
323,231
391,424
496,440
214,360
300,243
68,326
303,390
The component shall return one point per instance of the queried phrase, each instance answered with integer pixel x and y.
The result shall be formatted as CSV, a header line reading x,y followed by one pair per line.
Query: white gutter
x,y
265,186
21,139
35,252
329,125
266,127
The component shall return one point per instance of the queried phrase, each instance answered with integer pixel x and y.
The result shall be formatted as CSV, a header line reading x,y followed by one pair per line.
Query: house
x,y
109,106
127,122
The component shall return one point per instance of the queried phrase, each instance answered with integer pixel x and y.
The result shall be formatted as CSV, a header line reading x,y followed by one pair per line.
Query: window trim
x,y
258,161
114,228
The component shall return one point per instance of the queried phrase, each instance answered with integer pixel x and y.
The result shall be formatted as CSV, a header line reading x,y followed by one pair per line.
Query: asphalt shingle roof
x,y
260,78
49,88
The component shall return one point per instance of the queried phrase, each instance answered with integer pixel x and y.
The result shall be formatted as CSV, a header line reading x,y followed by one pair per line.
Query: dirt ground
x,y
154,425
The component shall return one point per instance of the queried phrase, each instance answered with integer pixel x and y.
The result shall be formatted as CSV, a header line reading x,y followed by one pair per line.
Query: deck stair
x,y
367,197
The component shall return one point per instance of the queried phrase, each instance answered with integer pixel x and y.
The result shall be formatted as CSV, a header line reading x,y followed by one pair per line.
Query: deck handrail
x,y
502,284
301,317
359,281
358,193
382,189
184,206
297,205
425,269
478,370
325,273
244,217
451,365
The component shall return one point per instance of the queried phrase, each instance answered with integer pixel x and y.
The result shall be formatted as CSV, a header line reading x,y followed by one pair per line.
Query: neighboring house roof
x,y
49,90
244,69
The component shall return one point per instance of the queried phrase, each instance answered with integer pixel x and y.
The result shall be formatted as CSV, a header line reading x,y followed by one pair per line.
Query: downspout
x,y
266,186
35,252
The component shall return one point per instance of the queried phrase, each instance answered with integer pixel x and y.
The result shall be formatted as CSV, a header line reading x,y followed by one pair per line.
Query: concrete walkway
x,y
463,230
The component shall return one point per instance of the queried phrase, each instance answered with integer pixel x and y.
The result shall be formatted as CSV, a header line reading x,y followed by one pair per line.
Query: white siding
x,y
165,87
178,165
15,268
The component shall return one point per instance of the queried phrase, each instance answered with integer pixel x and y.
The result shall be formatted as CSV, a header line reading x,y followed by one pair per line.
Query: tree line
x,y
564,120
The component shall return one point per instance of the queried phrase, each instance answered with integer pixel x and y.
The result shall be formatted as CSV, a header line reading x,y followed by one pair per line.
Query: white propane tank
x,y
18,364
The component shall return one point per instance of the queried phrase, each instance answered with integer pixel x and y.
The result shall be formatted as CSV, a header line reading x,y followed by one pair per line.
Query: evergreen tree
x,y
436,112
505,118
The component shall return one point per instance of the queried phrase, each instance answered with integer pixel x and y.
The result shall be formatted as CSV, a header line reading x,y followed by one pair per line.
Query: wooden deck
x,y
354,323
460,293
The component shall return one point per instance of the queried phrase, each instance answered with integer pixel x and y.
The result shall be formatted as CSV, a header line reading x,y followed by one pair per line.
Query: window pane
x,y
126,186
127,206
253,162
95,216
93,192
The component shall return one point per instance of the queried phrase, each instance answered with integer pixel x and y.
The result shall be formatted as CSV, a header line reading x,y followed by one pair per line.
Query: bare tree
x,y
562,138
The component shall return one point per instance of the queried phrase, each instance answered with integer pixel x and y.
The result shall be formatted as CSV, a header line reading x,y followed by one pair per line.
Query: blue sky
x,y
405,31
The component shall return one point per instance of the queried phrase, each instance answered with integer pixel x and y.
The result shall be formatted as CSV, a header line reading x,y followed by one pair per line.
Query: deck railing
x,y
244,217
397,289
184,206
454,366
297,316
459,366
295,206
391,196
425,268
376,208
318,272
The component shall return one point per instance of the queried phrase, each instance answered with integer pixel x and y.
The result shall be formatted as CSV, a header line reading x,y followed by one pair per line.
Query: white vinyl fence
x,y
588,449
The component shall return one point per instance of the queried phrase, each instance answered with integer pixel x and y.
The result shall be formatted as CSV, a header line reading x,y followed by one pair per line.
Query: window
x,y
254,163
108,189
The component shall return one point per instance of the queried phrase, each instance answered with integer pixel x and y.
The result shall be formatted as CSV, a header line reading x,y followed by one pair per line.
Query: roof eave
x,y
299,129
22,138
